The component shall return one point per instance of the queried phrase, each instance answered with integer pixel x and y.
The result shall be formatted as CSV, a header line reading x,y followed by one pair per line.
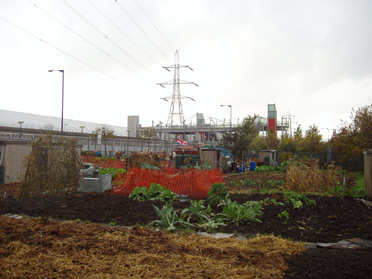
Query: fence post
x,y
367,154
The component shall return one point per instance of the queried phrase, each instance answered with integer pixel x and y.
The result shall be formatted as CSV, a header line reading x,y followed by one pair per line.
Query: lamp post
x,y
20,128
126,164
129,130
82,129
63,93
230,115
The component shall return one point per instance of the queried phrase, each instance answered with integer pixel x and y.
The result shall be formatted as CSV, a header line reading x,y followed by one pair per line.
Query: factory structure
x,y
18,125
133,137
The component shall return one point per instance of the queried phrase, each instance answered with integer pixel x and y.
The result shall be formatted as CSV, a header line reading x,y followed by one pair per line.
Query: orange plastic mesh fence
x,y
191,182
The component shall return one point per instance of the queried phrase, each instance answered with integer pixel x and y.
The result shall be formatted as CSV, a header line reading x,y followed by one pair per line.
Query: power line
x,y
176,95
99,31
122,32
80,36
55,47
153,25
139,27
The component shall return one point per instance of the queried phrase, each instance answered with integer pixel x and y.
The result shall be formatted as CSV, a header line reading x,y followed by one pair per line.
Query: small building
x,y
12,155
212,156
268,157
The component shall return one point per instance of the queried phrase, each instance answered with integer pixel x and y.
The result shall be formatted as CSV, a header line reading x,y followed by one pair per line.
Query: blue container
x,y
252,166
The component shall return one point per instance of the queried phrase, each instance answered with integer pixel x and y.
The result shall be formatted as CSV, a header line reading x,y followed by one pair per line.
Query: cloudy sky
x,y
312,59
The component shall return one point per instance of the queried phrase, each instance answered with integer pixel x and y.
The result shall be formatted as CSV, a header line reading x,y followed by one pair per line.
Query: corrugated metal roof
x,y
34,121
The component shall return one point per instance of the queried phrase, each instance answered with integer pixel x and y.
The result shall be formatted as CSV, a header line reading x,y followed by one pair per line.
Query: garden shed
x,y
12,154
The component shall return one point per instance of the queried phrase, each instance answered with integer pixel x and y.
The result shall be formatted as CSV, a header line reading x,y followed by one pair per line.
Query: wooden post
x,y
368,171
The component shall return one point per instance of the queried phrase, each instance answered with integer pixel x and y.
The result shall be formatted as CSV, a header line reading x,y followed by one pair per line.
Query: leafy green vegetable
x,y
197,212
239,213
297,199
218,194
169,219
155,192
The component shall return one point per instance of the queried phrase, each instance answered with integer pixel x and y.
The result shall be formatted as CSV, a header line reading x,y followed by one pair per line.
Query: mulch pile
x,y
43,249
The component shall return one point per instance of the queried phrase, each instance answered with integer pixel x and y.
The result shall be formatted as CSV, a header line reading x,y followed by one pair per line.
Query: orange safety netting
x,y
191,182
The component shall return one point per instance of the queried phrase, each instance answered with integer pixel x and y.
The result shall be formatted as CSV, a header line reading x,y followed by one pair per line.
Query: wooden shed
x,y
12,155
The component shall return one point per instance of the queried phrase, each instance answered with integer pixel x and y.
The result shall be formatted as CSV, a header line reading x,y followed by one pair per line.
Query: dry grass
x,y
306,176
42,249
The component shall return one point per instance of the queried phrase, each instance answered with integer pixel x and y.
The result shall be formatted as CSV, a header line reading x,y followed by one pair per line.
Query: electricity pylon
x,y
176,110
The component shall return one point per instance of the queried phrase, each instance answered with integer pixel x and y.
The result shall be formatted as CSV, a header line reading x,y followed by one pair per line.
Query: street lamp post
x,y
126,164
20,128
128,131
63,93
230,115
82,129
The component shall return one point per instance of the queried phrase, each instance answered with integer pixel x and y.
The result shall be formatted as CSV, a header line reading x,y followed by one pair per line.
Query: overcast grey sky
x,y
313,59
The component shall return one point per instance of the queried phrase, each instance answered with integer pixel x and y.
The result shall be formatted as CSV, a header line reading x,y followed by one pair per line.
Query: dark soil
x,y
331,219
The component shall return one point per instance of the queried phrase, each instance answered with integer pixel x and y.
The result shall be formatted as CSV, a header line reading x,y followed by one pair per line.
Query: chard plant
x,y
169,219
197,212
238,213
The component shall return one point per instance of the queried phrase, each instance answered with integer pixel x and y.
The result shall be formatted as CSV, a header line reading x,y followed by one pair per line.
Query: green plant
x,y
355,191
269,191
274,183
218,194
284,214
239,213
210,224
197,212
266,169
296,199
165,195
240,182
111,171
155,192
169,219
269,201
140,193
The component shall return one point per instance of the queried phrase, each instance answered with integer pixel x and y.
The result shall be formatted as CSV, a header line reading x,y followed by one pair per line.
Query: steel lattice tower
x,y
176,111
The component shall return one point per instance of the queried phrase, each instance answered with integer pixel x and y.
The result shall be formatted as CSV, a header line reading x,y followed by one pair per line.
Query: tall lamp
x,y
63,93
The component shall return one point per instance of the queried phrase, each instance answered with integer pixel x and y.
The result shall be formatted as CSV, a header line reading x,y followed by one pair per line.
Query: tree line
x,y
349,141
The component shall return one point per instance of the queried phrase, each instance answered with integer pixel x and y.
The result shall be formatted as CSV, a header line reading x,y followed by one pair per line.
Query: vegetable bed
x,y
330,219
